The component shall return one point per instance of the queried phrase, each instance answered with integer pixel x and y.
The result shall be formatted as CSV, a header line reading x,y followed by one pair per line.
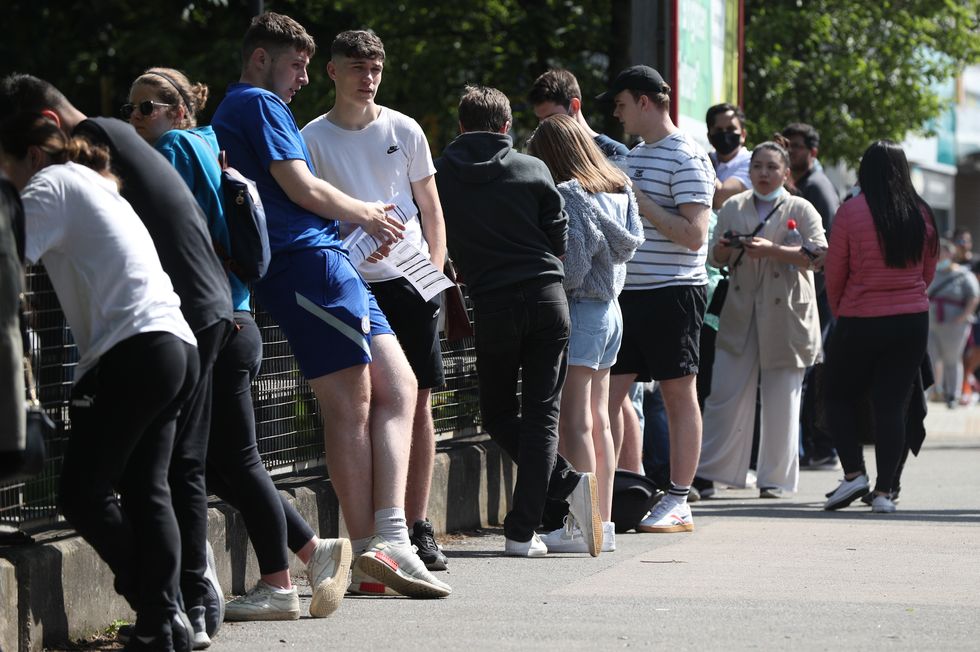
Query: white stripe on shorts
x,y
333,322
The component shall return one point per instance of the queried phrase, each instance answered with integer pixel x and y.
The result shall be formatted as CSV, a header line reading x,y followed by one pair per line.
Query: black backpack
x,y
633,496
250,255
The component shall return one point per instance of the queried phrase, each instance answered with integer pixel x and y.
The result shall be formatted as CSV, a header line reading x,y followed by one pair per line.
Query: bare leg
x,y
421,459
631,452
684,421
602,442
344,398
393,395
619,390
575,420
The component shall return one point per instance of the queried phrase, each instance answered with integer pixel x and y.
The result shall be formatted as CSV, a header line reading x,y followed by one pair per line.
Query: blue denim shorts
x,y
597,332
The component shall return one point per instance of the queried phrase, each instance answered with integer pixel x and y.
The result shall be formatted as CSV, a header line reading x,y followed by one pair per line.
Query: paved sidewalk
x,y
755,574
776,574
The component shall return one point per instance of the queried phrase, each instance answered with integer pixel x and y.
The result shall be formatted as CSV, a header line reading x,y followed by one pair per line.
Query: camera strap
x,y
755,232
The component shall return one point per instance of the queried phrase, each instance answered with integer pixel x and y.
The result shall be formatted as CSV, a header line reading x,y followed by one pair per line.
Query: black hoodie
x,y
504,218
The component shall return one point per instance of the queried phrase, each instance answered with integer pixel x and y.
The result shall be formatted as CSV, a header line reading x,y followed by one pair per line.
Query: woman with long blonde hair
x,y
604,230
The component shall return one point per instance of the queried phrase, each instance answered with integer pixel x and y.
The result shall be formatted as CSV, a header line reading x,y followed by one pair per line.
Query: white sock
x,y
390,525
358,546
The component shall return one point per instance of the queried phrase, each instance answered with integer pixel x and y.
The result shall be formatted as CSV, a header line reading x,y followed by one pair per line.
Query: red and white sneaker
x,y
399,568
668,516
363,584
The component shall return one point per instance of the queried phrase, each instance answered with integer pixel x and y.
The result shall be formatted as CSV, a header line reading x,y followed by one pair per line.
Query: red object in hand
x,y
790,224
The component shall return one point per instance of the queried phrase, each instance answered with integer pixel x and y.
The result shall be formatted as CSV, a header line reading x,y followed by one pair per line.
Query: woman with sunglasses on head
x,y
604,230
163,109
882,257
138,364
768,332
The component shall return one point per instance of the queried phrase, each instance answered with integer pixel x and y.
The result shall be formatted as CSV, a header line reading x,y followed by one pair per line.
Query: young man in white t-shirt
x,y
371,153
663,301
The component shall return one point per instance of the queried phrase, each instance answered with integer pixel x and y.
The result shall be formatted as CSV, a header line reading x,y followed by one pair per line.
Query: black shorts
x,y
661,332
416,325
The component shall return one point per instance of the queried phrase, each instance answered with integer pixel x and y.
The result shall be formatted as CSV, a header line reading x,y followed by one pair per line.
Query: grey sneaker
x,y
327,571
201,640
214,599
583,505
883,504
264,602
399,568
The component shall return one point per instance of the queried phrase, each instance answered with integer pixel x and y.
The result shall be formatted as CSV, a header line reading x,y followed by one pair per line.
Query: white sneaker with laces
x,y
264,602
668,516
883,504
583,505
535,547
608,536
327,572
847,492
568,538
399,567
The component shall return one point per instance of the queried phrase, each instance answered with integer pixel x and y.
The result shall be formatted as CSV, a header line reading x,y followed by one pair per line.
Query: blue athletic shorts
x,y
597,332
324,308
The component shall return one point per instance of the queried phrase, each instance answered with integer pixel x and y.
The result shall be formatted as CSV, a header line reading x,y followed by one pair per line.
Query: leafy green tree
x,y
857,71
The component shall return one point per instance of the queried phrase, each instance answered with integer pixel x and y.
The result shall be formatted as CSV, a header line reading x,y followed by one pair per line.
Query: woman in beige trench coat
x,y
769,331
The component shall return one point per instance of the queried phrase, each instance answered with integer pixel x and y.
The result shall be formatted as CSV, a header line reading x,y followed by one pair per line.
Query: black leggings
x,y
123,415
234,469
879,356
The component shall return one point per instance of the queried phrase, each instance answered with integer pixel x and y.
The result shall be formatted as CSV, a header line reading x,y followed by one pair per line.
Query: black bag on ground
x,y
633,496
250,255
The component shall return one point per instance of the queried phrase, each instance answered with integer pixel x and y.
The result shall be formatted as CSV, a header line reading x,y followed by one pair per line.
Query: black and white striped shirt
x,y
671,172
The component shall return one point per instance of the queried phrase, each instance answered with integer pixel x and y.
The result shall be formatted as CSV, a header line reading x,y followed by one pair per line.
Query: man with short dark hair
x,y
726,133
506,230
816,188
663,301
341,340
178,228
557,91
371,152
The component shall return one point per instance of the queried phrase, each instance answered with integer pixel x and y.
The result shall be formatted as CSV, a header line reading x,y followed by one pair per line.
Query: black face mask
x,y
725,142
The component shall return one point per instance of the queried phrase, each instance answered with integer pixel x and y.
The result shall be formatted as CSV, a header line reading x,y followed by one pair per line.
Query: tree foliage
x,y
857,71
93,51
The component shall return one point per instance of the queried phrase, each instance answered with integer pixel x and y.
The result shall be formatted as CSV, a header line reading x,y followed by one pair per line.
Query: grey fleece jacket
x,y
599,244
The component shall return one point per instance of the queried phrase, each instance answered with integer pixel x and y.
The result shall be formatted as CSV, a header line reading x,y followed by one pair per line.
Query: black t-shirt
x,y
172,216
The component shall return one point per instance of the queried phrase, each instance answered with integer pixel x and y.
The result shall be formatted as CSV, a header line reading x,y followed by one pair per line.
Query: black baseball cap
x,y
634,78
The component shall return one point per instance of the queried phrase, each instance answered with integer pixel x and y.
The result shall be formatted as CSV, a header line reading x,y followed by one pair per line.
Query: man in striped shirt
x,y
664,299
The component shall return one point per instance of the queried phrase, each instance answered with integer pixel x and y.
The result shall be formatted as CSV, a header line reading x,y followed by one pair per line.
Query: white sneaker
x,y
535,547
583,505
847,492
608,536
264,602
883,504
668,516
327,572
568,538
363,584
399,567
196,615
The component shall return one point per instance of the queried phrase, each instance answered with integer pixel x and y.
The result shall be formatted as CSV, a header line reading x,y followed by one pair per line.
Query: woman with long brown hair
x,y
604,230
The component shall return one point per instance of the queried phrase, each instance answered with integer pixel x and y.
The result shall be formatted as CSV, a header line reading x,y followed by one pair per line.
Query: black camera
x,y
736,240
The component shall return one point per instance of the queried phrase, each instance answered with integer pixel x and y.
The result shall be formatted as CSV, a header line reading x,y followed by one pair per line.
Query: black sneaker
x,y
706,488
424,540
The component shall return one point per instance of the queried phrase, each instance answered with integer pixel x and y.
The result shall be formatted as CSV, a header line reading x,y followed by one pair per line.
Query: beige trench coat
x,y
783,301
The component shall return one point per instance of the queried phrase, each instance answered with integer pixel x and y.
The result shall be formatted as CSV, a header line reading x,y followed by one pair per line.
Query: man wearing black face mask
x,y
726,133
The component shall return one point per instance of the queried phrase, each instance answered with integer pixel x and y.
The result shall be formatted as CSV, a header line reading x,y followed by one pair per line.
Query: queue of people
x,y
588,266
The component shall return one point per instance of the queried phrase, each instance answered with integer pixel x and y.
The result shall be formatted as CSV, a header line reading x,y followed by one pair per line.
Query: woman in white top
x,y
604,230
138,361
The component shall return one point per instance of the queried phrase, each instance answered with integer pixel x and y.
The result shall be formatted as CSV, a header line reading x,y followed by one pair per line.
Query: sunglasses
x,y
146,108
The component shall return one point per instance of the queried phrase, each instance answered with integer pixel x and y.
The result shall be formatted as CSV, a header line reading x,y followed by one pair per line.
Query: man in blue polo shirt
x,y
341,339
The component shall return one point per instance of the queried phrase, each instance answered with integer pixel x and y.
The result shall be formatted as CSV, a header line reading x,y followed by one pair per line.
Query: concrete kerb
x,y
58,590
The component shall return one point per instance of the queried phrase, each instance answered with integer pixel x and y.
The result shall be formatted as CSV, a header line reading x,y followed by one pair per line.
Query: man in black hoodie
x,y
506,232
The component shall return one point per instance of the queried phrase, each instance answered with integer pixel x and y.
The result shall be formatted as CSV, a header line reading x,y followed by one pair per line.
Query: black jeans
x,y
187,482
879,356
522,333
123,416
234,469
